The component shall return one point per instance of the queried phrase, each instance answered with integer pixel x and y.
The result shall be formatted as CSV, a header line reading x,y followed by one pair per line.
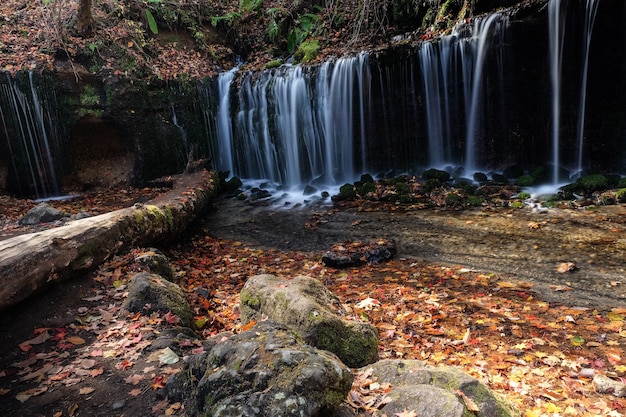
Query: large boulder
x,y
149,293
432,391
264,371
316,314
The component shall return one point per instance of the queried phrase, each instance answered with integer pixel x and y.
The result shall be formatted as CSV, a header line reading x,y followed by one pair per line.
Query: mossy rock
x,y
346,192
146,289
313,312
592,183
436,174
525,181
433,391
480,177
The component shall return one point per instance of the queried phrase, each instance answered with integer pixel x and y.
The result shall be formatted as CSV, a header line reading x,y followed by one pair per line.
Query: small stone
x,y
118,405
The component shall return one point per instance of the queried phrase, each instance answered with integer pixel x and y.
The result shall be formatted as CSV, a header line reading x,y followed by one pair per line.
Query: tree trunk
x,y
30,262
85,23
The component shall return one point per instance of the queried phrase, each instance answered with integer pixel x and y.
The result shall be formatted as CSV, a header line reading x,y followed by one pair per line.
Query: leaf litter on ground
x,y
542,356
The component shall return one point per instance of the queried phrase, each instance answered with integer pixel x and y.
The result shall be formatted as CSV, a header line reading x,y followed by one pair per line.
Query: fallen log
x,y
30,262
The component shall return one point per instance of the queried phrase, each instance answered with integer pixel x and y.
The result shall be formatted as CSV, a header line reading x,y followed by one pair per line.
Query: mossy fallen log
x,y
30,262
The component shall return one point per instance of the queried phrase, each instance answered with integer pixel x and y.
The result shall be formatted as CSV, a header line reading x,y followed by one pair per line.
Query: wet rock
x,y
435,391
41,213
149,293
310,309
264,371
358,253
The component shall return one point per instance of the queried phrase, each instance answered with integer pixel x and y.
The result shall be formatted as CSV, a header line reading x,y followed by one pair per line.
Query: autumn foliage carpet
x,y
543,356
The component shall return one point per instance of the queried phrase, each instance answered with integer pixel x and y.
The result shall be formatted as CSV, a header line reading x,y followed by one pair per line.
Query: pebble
x,y
118,405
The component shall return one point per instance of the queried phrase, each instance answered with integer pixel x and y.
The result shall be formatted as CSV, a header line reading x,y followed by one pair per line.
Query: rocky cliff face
x,y
110,129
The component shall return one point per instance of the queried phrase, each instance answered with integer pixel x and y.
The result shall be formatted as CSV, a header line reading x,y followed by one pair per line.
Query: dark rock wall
x,y
151,128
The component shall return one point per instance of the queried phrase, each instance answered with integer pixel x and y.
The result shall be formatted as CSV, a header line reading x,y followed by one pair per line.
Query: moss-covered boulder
x,y
432,391
154,261
264,371
149,293
313,312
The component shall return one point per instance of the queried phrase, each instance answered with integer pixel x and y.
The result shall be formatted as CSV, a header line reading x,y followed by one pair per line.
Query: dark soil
x,y
516,244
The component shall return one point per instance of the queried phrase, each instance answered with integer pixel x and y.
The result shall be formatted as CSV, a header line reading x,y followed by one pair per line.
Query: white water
x,y
294,125
483,28
224,128
591,9
433,95
462,54
33,140
556,19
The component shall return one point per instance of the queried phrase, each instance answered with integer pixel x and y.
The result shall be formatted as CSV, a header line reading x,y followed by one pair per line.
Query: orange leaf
x,y
248,326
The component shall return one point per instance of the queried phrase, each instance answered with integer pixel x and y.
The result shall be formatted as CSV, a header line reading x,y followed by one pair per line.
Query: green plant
x,y
308,25
152,22
474,200
273,31
517,205
620,195
229,19
249,6
523,196
453,199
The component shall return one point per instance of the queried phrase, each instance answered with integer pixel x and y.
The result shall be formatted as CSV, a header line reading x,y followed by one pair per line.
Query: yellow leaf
x,y
551,408
620,368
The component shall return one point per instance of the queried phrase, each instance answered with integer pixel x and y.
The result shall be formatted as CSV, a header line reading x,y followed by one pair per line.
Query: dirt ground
x,y
570,256
519,244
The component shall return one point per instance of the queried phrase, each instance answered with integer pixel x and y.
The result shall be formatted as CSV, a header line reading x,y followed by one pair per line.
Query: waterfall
x,y
33,139
468,45
296,125
591,9
224,127
482,31
556,19
433,95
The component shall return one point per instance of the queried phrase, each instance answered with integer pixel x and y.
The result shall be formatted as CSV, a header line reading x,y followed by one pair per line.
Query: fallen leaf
x,y
168,357
25,346
86,390
76,340
25,395
72,409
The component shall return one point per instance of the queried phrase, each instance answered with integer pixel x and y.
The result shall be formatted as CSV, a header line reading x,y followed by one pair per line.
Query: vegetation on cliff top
x,y
195,38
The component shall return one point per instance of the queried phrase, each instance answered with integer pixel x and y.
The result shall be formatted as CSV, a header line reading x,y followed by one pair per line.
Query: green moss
x,y
620,195
474,200
307,51
274,64
517,205
245,298
354,348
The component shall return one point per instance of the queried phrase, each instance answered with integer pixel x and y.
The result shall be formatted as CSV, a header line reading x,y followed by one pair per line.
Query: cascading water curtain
x,y
33,138
296,125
